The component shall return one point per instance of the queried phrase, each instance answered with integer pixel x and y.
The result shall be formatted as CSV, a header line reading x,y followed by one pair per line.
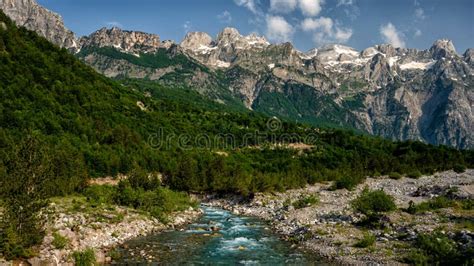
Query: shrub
x,y
467,204
438,249
414,174
432,204
347,182
459,168
157,202
416,257
84,258
305,202
59,241
367,241
100,194
373,204
394,175
139,178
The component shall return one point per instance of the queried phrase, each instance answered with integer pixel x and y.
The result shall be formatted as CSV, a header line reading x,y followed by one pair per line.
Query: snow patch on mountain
x,y
222,64
417,65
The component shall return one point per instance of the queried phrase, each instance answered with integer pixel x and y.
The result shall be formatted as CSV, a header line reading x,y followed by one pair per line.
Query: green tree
x,y
23,197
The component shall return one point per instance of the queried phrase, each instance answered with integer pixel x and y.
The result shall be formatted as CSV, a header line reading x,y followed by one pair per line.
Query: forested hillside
x,y
91,126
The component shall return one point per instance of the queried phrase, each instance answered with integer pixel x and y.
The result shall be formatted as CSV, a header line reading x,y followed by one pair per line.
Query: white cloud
x,y
278,29
114,24
311,8
283,6
249,4
225,17
342,35
323,23
326,31
345,2
391,35
420,14
417,33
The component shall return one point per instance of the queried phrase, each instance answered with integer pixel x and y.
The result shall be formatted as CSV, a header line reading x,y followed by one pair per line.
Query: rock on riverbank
x,y
99,228
328,227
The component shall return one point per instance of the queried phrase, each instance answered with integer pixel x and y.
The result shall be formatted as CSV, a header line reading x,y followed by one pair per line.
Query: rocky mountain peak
x,y
127,41
232,37
469,55
378,70
29,14
387,49
335,52
442,48
196,40
230,34
310,54
369,52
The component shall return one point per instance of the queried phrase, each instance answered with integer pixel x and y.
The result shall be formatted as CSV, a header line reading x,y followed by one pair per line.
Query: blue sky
x,y
307,23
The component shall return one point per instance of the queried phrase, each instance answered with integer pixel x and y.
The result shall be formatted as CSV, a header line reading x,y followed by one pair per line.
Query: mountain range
x,y
397,93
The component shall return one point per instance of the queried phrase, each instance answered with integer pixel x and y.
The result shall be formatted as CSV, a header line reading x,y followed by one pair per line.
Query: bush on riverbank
x,y
59,241
373,204
307,201
394,175
440,202
438,249
158,202
367,241
84,258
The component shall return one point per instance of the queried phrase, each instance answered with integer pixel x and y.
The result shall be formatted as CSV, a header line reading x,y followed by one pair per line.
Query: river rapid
x,y
217,238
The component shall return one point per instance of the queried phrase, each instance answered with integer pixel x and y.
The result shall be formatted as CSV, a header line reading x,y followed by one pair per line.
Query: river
x,y
217,238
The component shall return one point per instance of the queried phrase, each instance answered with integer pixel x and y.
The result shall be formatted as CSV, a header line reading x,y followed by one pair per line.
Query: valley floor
x,y
325,225
328,227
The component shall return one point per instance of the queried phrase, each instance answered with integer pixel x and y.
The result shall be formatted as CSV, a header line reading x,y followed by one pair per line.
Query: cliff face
x,y
29,14
127,41
397,93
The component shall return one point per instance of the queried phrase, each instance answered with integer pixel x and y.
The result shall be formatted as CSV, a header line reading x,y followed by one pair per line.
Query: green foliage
x,y
158,202
23,197
59,241
306,201
100,194
439,202
84,258
394,175
160,59
347,181
416,257
367,240
467,204
459,168
438,249
139,178
373,203
414,174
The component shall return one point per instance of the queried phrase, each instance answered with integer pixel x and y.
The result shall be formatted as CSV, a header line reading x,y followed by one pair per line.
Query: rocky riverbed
x,y
329,229
99,228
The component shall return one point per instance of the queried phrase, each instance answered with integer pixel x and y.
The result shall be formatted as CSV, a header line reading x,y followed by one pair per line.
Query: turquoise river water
x,y
217,238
